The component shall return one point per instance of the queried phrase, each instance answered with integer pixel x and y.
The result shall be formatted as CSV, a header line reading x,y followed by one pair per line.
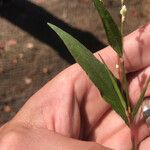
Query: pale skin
x,y
70,108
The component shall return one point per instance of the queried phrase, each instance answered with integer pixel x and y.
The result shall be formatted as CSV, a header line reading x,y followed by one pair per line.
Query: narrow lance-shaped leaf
x,y
113,33
96,71
114,81
140,100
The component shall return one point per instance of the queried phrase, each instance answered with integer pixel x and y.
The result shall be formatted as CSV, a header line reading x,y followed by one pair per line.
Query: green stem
x,y
122,22
122,2
122,27
125,85
124,78
134,145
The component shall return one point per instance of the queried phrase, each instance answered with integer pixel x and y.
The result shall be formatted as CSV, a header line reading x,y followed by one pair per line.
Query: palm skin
x,y
70,108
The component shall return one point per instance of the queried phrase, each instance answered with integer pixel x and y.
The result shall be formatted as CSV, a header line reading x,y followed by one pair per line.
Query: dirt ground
x,y
31,54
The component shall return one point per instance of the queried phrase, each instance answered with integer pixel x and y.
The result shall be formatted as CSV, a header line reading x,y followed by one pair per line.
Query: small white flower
x,y
123,12
117,66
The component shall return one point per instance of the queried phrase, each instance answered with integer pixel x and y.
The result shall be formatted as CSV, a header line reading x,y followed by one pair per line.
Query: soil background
x,y
31,54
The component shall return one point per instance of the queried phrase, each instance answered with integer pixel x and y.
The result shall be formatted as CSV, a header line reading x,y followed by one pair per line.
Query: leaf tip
x,y
50,25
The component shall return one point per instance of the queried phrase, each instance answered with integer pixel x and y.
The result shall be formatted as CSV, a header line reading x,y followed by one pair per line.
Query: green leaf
x,y
97,72
140,100
113,33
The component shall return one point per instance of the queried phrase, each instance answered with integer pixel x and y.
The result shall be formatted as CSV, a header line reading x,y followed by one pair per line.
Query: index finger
x,y
136,51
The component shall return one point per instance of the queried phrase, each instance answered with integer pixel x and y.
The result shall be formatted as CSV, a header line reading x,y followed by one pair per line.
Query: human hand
x,y
70,109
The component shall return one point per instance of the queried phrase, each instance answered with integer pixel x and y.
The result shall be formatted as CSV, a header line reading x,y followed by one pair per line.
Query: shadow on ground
x,y
33,19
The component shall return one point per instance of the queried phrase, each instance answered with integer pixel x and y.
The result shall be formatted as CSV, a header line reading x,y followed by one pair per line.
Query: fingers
x,y
136,46
59,104
136,84
112,131
145,144
111,128
42,139
73,88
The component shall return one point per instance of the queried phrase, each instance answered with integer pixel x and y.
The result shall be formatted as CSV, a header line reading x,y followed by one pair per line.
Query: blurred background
x,y
31,54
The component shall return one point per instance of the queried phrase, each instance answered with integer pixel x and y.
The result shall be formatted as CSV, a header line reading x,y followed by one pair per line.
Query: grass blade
x,y
113,33
97,72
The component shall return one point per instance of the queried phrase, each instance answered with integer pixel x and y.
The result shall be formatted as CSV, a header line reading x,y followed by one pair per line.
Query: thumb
x,y
18,137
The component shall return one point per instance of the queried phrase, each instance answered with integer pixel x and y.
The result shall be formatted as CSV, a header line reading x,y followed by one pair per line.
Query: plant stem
x,y
122,2
124,78
125,84
124,81
132,129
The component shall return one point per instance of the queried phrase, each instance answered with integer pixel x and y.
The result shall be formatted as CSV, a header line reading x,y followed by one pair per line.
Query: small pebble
x,y
14,61
45,70
2,45
20,55
28,80
29,45
11,42
7,109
